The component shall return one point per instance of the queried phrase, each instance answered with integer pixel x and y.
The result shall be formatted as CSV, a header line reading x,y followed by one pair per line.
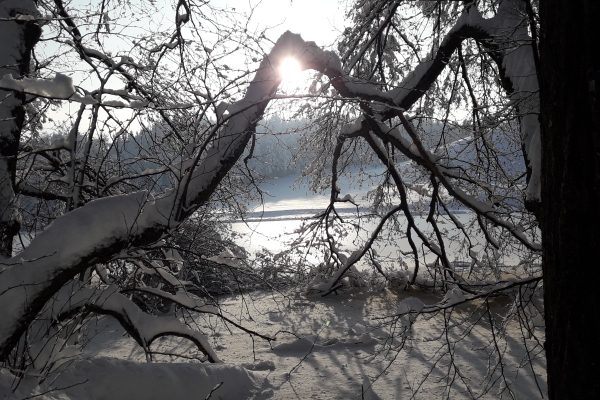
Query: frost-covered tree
x,y
406,64
117,128
445,95
472,68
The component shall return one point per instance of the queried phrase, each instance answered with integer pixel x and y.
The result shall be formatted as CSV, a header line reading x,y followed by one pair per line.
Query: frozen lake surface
x,y
273,225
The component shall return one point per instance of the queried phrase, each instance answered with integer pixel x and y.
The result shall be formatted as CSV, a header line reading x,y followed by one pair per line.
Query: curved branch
x,y
68,246
186,301
144,328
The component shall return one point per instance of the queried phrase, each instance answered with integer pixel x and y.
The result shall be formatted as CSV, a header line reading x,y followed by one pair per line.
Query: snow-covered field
x,y
326,348
336,347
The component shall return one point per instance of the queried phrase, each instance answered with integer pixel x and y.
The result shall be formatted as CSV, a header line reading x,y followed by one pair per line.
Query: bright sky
x,y
319,21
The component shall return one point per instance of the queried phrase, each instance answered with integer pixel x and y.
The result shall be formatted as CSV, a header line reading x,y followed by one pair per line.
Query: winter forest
x,y
336,199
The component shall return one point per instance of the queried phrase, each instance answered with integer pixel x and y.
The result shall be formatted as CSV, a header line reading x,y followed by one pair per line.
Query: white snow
x,y
410,305
60,87
95,53
68,240
118,379
225,258
454,296
348,198
115,103
367,390
355,126
335,360
52,353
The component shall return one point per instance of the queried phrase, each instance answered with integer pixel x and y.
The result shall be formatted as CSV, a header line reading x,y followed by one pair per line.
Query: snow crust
x,y
345,351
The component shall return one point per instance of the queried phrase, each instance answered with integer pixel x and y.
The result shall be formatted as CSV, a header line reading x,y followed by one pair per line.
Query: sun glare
x,y
289,69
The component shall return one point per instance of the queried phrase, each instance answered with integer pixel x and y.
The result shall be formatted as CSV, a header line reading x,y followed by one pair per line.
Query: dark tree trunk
x,y
570,214
16,45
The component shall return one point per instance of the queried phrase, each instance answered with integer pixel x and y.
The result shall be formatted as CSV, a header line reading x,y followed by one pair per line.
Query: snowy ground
x,y
326,348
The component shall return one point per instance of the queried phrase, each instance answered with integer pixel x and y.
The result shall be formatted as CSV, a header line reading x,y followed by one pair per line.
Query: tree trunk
x,y
570,214
18,38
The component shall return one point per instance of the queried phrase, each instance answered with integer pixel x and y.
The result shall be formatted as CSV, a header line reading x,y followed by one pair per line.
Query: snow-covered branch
x,y
506,36
68,246
144,328
59,88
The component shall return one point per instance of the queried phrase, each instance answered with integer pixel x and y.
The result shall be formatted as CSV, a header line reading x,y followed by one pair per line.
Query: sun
x,y
289,69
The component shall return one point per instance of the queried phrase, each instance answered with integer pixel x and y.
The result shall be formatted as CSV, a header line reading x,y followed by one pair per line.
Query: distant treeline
x,y
277,141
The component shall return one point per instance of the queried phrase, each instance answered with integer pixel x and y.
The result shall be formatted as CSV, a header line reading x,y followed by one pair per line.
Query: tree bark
x,y
19,35
570,213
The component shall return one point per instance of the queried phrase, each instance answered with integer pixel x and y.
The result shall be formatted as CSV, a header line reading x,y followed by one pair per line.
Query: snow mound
x,y
301,345
259,366
454,296
331,342
367,340
410,304
108,378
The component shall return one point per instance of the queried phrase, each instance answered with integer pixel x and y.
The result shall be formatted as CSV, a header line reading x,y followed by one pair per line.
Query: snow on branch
x,y
507,37
71,244
455,297
193,303
60,87
507,26
144,328
103,228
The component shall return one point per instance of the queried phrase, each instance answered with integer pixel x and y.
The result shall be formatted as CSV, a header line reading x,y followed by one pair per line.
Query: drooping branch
x,y
505,37
417,152
504,31
187,301
144,328
507,41
68,246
